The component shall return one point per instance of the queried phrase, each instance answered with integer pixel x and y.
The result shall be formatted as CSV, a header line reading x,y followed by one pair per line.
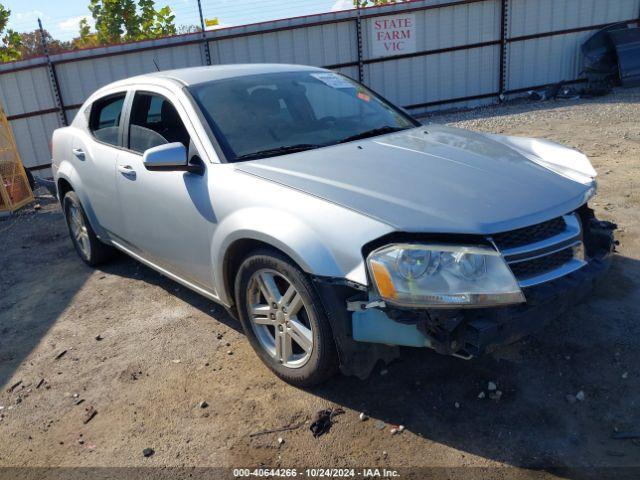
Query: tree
x,y
375,3
164,25
123,20
31,44
147,15
86,39
10,46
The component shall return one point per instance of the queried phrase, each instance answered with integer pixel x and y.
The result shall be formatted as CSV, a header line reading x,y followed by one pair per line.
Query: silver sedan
x,y
332,224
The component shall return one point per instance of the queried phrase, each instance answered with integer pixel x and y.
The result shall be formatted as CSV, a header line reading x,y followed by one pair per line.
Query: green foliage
x,y
31,44
10,40
164,24
147,15
130,20
375,3
124,20
86,38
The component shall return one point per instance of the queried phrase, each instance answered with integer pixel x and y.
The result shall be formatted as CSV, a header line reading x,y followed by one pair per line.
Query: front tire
x,y
90,249
283,319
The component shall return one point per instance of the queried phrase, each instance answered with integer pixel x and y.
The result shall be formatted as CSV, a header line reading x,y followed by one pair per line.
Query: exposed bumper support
x,y
373,333
486,330
356,358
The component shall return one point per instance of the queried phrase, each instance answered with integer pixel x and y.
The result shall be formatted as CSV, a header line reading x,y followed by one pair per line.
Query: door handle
x,y
79,153
127,170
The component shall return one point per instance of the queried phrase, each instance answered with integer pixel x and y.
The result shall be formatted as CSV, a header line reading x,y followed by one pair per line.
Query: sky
x,y
61,17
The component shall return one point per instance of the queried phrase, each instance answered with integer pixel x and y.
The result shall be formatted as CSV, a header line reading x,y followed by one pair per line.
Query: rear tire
x,y
284,320
90,249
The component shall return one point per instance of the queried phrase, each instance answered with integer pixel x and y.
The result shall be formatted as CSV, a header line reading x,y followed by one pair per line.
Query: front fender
x,y
279,229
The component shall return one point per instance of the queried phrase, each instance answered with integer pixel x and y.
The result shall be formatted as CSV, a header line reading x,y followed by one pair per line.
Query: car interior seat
x,y
172,127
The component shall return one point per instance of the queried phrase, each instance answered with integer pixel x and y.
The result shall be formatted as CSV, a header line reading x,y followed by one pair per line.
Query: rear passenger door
x,y
95,153
168,215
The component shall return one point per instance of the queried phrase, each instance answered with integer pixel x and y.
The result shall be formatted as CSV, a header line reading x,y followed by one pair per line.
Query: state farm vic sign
x,y
393,35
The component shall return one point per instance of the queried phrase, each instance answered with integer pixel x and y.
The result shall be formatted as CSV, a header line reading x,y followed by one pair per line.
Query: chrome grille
x,y
543,252
526,235
536,266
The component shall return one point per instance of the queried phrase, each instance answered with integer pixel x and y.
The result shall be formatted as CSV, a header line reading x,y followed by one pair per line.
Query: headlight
x,y
442,276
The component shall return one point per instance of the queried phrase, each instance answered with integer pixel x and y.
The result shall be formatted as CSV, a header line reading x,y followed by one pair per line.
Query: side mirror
x,y
170,157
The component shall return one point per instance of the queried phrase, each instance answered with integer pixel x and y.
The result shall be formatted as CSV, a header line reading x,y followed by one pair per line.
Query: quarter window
x,y
105,118
154,121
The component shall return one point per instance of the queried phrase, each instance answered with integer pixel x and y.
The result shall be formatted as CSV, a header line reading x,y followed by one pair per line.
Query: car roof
x,y
196,75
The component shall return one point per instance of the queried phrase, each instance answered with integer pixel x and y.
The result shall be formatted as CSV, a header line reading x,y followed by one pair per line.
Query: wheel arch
x,y
237,252
259,227
64,186
67,180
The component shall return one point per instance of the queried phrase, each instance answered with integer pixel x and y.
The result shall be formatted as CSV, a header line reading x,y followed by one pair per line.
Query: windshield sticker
x,y
333,80
364,96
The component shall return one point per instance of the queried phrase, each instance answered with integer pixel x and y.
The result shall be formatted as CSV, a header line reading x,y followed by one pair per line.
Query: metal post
x,y
504,27
207,52
53,78
359,40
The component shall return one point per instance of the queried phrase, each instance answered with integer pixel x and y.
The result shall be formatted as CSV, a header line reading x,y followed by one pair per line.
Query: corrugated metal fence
x,y
468,53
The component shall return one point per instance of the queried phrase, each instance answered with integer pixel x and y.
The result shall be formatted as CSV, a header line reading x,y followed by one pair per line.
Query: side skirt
x,y
190,285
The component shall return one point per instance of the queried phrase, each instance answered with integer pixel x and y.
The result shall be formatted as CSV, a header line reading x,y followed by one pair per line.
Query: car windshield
x,y
266,115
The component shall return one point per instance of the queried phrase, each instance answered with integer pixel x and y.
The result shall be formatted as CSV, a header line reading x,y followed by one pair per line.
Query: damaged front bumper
x,y
374,330
471,332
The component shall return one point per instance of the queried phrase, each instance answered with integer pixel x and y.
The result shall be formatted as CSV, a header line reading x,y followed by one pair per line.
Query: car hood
x,y
432,179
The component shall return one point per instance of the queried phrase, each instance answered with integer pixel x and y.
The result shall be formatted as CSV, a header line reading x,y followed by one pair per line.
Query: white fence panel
x,y
434,78
351,72
320,45
33,135
545,60
79,79
71,113
447,27
556,58
26,91
528,17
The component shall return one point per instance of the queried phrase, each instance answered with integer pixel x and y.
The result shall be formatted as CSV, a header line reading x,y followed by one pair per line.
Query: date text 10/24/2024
x,y
316,472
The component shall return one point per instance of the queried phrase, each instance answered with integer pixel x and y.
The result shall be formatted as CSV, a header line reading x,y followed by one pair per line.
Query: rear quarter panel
x,y
61,142
63,165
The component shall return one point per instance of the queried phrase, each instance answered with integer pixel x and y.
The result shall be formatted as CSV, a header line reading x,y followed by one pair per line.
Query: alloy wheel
x,y
280,318
79,230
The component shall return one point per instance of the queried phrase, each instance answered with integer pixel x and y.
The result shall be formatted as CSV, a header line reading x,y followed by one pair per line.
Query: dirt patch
x,y
159,356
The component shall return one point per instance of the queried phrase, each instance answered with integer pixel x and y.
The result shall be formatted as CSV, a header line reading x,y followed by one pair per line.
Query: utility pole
x,y
53,77
207,53
504,32
359,40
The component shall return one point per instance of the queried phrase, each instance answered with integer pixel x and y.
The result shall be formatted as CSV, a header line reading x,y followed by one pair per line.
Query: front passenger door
x,y
168,215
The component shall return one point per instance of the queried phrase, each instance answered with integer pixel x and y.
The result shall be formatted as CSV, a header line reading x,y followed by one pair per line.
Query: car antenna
x,y
156,64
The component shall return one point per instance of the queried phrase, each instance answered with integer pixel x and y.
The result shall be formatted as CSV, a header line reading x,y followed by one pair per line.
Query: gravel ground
x,y
144,352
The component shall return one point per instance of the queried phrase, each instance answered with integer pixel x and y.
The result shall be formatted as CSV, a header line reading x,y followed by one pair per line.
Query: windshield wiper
x,y
373,133
272,152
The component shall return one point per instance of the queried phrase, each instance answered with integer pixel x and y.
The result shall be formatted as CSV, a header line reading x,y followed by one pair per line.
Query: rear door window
x,y
106,115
